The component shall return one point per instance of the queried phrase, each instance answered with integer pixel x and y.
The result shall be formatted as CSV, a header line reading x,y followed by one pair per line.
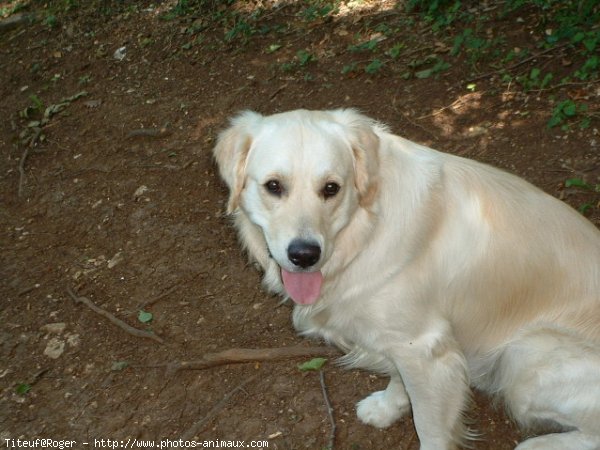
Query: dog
x,y
441,272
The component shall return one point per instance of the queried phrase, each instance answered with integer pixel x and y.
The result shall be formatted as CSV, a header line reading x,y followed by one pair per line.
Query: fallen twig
x,y
151,132
118,322
22,170
27,290
277,91
197,427
418,125
152,301
32,141
329,411
244,355
442,109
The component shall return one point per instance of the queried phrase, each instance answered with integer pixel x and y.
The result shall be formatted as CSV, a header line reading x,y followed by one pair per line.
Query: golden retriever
x,y
441,272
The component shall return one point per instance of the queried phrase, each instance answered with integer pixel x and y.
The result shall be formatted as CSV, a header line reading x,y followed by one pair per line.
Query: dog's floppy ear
x,y
231,152
365,148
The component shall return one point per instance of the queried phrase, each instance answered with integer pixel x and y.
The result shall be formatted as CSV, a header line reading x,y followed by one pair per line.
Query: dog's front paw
x,y
379,410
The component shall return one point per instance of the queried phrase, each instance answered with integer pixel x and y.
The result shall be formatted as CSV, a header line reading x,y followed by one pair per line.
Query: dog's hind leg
x,y
549,375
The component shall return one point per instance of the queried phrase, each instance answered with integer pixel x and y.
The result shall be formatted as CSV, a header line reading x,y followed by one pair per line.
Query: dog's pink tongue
x,y
303,287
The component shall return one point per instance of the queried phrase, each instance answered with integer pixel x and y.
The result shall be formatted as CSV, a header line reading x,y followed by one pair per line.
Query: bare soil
x,y
117,198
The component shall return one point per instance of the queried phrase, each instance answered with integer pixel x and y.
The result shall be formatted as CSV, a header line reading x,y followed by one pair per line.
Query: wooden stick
x,y
22,162
329,411
245,355
118,322
36,135
159,297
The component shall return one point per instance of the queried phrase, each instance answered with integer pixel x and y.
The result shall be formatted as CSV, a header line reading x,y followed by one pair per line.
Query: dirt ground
x,y
114,195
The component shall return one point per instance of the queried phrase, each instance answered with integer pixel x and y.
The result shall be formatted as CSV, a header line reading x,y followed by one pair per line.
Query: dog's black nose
x,y
303,253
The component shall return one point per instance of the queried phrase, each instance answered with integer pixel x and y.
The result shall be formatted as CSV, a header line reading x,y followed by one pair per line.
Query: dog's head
x,y
300,176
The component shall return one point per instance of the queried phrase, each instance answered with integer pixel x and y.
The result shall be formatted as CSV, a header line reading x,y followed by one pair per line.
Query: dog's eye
x,y
330,190
274,187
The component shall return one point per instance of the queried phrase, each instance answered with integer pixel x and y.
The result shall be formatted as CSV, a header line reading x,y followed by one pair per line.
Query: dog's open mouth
x,y
303,287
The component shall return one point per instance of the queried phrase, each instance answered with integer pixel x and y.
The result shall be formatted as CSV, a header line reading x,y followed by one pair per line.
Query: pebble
x,y
55,348
115,260
54,328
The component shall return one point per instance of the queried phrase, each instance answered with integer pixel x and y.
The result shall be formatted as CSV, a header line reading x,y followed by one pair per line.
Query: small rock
x,y
54,348
54,328
73,340
139,192
115,260
92,103
476,131
120,53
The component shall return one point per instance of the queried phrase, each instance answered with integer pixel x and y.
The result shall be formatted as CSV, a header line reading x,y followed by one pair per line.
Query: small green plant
x,y
370,46
118,366
565,113
35,67
435,63
476,47
36,107
23,389
440,13
313,364
589,69
304,57
242,28
319,10
534,80
145,317
84,79
37,102
181,8
349,68
195,41
287,67
395,51
374,66
146,41
579,183
51,21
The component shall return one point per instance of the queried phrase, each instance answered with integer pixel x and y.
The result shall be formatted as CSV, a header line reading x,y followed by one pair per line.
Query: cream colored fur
x,y
439,271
